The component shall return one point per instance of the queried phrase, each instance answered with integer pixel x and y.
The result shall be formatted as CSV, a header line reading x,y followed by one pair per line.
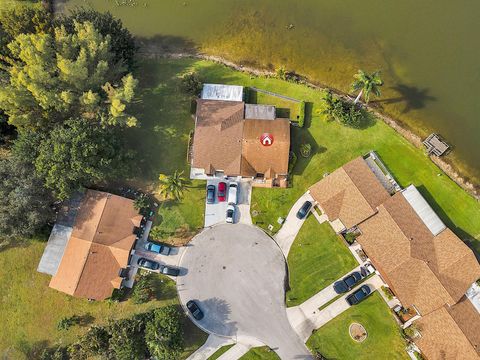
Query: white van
x,y
232,193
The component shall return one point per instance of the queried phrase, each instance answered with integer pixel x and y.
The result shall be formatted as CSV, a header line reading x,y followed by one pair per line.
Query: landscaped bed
x,y
317,258
384,340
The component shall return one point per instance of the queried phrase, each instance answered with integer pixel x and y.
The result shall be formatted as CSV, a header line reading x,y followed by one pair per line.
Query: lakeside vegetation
x,y
316,259
384,340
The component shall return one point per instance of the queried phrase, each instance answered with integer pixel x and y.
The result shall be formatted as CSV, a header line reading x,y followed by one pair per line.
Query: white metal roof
x,y
222,92
52,256
423,210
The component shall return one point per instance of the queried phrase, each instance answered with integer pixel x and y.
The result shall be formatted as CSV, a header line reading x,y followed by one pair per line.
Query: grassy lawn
x,y
30,310
285,108
220,352
260,353
384,340
317,258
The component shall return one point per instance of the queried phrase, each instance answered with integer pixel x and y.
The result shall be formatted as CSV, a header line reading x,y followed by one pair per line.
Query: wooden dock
x,y
435,145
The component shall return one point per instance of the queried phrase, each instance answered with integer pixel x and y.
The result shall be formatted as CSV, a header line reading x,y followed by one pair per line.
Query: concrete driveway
x,y
215,213
290,228
237,275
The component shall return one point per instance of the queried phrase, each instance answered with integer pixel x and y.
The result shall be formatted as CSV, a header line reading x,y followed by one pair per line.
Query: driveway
x,y
292,225
237,275
215,213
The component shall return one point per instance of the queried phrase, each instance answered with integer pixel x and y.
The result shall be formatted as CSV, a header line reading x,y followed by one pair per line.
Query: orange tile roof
x,y
351,193
442,339
98,248
423,270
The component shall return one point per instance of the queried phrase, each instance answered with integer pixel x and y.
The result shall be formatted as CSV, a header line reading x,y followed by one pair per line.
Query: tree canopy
x,y
58,75
367,84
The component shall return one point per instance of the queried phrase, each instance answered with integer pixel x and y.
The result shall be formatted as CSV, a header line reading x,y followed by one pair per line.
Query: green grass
x,y
260,353
220,352
384,339
285,108
317,258
30,310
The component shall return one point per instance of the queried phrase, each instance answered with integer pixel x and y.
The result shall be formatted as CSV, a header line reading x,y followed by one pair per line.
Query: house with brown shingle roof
x,y
424,263
228,141
99,246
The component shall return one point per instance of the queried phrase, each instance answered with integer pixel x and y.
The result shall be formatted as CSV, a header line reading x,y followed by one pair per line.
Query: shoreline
x,y
446,166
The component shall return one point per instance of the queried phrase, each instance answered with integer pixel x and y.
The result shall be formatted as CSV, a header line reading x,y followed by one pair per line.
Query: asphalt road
x,y
237,275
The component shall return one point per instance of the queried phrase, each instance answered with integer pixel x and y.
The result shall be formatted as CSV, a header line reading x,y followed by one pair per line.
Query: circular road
x,y
237,274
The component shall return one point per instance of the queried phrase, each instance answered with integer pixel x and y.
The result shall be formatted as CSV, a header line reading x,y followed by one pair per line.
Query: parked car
x,y
167,270
148,264
210,194
232,193
358,295
194,310
157,248
347,283
222,191
303,212
230,213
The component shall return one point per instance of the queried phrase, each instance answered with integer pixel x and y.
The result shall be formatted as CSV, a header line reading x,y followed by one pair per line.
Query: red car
x,y
222,188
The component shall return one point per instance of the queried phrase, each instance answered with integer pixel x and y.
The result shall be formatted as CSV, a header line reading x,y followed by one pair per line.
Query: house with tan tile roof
x,y
229,141
427,267
98,248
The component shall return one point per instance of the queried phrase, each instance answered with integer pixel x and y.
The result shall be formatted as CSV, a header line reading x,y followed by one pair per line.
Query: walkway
x,y
292,225
212,344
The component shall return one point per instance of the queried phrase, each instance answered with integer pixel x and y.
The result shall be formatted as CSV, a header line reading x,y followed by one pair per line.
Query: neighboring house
x,y
236,139
92,259
423,262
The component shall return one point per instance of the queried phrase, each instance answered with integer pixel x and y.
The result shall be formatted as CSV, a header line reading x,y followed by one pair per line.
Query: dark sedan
x,y
194,310
303,212
167,270
148,264
358,295
347,283
210,194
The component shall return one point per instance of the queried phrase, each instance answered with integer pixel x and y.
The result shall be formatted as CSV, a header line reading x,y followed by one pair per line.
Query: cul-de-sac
x,y
238,180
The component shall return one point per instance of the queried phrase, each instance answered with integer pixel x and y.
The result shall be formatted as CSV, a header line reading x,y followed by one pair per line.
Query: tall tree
x,y
164,334
172,186
367,84
78,154
53,77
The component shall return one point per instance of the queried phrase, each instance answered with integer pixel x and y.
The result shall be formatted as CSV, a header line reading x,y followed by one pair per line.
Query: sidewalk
x,y
292,225
212,344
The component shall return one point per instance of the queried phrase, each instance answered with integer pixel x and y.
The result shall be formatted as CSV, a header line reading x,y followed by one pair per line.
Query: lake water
x,y
428,51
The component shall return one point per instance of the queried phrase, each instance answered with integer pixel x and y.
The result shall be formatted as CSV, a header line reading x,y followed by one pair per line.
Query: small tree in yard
x,y
66,323
142,203
191,84
164,334
143,290
172,186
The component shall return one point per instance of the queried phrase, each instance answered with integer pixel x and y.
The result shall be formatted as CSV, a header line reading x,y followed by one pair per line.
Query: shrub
x,y
305,150
350,237
191,84
142,203
292,162
66,323
388,293
143,289
343,111
301,119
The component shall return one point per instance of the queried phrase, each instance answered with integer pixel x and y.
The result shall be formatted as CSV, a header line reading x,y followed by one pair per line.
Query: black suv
x,y
347,283
303,212
358,295
194,310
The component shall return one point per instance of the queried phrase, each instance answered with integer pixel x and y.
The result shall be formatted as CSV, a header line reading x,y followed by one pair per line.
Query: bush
x,y
143,289
66,323
388,293
191,84
350,237
343,111
305,150
292,162
301,120
142,204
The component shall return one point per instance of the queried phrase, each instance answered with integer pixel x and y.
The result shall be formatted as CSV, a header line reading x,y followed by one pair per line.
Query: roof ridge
x,y
91,242
358,189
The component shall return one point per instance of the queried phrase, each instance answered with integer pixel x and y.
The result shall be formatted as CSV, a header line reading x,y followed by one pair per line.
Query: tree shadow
x,y
162,45
414,97
217,313
467,238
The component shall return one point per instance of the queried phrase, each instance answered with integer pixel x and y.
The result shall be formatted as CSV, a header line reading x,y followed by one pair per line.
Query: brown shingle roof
x,y
99,246
271,160
423,270
217,142
442,338
468,320
351,193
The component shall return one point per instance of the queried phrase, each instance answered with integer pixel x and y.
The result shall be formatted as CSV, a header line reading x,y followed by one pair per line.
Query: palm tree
x,y
173,186
367,84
